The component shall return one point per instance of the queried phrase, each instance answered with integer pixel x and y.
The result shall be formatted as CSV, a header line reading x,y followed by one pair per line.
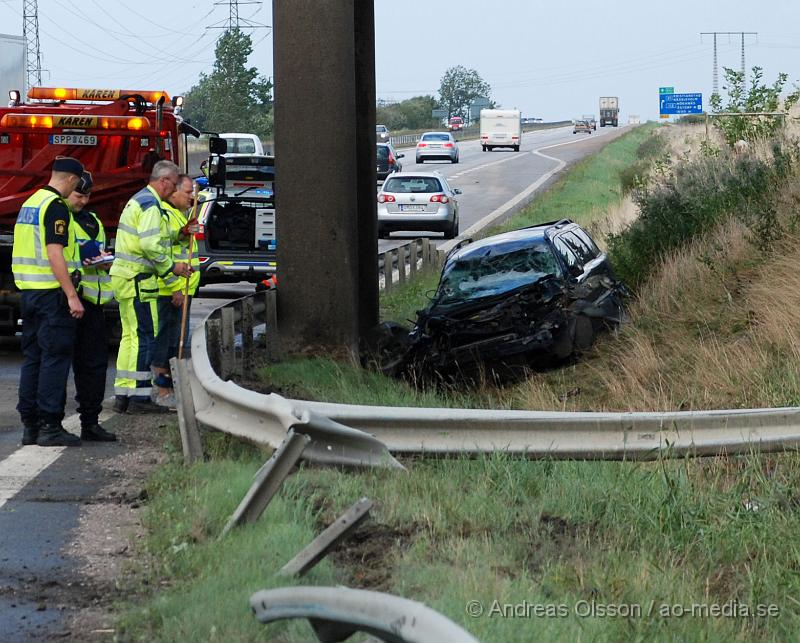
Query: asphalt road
x,y
489,180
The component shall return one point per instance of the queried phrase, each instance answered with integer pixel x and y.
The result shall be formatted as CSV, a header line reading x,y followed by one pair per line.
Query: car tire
x,y
382,234
419,160
516,148
484,147
452,230
455,160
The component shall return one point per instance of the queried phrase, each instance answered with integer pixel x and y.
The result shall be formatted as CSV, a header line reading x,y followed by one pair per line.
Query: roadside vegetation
x,y
715,323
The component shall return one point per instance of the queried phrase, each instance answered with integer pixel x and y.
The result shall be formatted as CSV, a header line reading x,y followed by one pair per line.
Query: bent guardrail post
x,y
187,422
268,480
318,548
337,612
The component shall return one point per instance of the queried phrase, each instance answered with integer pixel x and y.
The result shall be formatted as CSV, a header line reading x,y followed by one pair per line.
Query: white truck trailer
x,y
501,128
12,66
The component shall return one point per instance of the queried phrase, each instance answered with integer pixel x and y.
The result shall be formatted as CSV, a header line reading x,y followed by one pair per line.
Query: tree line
x,y
235,97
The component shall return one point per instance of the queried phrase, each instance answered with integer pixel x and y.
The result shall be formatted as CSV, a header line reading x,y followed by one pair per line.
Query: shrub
x,y
692,198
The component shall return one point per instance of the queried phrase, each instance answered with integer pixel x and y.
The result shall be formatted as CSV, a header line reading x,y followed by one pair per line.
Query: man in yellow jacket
x,y
170,295
143,253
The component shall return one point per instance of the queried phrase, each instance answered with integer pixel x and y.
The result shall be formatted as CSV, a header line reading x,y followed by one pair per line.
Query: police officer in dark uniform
x,y
90,356
45,266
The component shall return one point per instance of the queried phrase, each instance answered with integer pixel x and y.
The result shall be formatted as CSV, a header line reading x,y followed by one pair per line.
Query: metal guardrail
x,y
266,418
414,255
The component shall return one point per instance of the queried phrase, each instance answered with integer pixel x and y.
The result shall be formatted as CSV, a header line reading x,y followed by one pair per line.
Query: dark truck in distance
x,y
609,111
505,304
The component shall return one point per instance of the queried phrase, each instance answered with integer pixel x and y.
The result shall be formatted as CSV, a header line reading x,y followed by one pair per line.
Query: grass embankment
x,y
657,546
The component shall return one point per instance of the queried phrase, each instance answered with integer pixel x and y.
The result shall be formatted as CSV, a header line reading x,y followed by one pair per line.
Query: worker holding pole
x,y
174,297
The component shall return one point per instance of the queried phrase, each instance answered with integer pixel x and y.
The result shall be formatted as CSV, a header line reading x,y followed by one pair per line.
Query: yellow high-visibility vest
x,y
180,253
29,262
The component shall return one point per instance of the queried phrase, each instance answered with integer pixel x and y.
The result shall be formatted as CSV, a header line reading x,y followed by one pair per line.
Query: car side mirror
x,y
456,190
216,171
217,145
401,156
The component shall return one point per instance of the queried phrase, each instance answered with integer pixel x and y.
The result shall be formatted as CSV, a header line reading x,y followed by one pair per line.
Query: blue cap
x,y
85,184
68,164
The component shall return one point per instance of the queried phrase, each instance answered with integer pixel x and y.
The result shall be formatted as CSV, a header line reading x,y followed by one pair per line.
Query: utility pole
x,y
30,31
715,89
234,21
327,253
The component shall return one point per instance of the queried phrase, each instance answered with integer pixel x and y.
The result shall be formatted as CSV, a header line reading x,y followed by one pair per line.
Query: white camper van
x,y
501,128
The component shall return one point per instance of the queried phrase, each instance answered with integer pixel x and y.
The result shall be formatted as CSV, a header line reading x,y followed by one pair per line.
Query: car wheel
x,y
484,147
419,160
452,231
382,232
455,160
516,148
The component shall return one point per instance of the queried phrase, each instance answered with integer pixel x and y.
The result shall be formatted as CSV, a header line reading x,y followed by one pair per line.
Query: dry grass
x,y
717,327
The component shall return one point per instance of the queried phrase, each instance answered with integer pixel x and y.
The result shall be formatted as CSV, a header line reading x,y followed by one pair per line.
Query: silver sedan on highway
x,y
417,201
437,146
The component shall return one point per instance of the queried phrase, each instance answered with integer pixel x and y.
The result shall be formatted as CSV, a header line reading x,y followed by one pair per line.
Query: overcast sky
x,y
551,60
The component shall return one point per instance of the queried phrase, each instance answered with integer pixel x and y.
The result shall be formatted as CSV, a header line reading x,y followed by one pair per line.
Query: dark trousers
x,y
169,331
48,336
89,363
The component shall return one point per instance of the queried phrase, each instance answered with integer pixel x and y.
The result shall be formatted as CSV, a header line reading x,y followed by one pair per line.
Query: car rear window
x,y
435,137
383,152
496,270
240,146
412,185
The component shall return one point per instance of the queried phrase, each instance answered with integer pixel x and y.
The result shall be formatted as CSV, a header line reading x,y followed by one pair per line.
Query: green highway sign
x,y
666,90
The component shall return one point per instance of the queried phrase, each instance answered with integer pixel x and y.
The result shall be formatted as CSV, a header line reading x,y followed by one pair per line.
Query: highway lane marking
x,y
515,155
22,466
503,209
26,463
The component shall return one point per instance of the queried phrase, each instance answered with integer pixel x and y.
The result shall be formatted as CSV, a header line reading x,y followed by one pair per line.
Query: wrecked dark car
x,y
508,303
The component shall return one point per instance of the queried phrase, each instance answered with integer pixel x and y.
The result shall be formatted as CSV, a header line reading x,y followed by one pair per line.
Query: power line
x,y
715,73
234,20
30,32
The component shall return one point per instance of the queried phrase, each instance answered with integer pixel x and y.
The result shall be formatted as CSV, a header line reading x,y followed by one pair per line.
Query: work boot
x,y
167,401
145,406
96,433
30,433
54,435
121,404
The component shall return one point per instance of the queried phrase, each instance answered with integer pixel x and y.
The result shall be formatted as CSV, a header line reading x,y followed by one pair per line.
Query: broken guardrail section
x,y
335,613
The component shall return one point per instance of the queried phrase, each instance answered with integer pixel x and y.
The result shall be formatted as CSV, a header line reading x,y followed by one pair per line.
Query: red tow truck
x,y
118,135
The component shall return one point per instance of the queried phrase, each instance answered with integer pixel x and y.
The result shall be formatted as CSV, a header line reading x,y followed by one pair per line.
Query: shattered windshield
x,y
495,270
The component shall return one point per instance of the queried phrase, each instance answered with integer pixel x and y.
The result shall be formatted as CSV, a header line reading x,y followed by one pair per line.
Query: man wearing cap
x,y
143,253
90,360
44,264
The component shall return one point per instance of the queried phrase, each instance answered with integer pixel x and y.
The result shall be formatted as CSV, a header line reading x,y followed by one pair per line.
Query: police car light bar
x,y
75,121
72,93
